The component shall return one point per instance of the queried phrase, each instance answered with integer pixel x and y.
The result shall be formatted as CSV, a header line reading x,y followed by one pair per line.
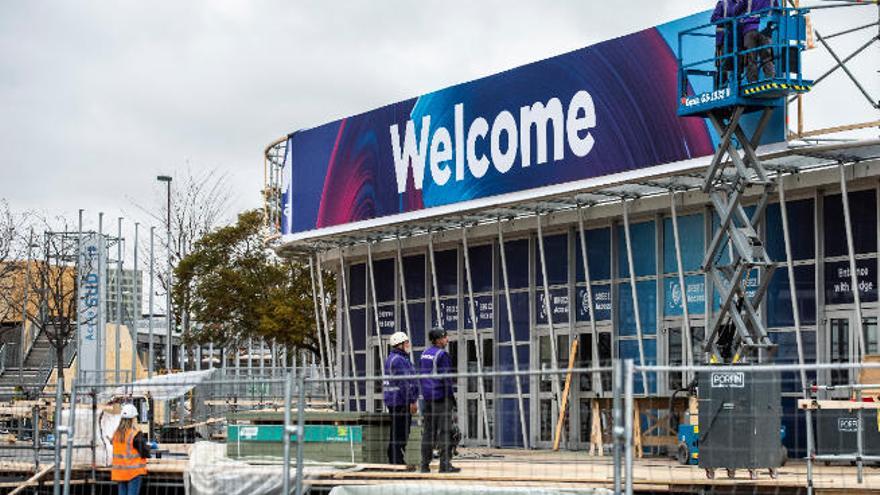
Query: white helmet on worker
x,y
398,338
129,411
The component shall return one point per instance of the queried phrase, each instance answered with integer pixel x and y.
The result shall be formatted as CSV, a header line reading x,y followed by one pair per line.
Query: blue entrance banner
x,y
593,112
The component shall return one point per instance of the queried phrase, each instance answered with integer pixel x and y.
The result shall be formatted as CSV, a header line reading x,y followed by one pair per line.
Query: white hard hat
x,y
129,411
398,338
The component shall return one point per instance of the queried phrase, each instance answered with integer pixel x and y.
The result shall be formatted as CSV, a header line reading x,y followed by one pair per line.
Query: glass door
x,y
842,344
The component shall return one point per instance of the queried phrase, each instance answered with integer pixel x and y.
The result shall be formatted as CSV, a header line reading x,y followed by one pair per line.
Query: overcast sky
x,y
97,98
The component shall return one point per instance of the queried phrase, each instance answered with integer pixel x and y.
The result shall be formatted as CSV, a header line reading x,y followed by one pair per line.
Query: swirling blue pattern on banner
x,y
344,171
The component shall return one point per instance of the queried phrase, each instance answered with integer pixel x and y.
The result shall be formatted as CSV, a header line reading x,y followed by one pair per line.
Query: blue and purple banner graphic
x,y
600,110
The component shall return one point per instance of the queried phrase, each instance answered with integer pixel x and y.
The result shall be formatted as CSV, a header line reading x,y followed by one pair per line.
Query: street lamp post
x,y
167,180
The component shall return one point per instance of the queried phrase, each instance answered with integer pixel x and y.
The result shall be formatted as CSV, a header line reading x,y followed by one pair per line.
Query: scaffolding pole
x,y
634,294
321,348
403,298
331,357
519,393
346,321
850,249
372,278
591,306
434,279
481,386
548,308
792,293
688,348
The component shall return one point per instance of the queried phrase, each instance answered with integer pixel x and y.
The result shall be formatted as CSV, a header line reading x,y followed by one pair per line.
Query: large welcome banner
x,y
600,110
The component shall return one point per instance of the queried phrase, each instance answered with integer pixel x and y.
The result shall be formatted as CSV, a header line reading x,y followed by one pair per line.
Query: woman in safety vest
x,y
130,453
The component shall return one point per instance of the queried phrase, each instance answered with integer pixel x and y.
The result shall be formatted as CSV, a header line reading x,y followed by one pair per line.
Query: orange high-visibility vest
x,y
127,462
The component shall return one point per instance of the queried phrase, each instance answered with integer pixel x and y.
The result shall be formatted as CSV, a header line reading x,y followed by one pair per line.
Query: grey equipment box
x,y
837,432
740,415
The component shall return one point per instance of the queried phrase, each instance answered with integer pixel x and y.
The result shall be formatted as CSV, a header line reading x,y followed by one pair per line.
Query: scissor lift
x,y
714,87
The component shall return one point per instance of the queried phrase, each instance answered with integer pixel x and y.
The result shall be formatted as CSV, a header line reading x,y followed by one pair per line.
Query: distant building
x,y
132,295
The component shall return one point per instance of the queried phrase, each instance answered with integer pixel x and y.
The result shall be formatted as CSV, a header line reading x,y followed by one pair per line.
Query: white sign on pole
x,y
93,266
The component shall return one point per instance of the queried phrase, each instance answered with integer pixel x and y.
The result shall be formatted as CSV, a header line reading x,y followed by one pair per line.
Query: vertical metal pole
x,y
133,320
71,434
169,284
117,344
434,279
285,469
375,300
59,398
688,349
860,446
854,279
628,373
320,332
336,387
262,364
617,420
548,308
519,393
79,285
582,235
250,353
152,307
346,320
403,298
635,294
101,358
478,342
792,292
300,433
24,308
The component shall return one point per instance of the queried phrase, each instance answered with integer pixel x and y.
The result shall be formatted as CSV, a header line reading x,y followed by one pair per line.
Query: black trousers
x,y
438,431
764,58
400,425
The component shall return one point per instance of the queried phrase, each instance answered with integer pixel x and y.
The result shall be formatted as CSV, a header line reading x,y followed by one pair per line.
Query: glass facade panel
x,y
838,281
417,330
598,254
507,419
485,311
643,244
629,349
696,295
520,310
863,208
556,256
358,328
647,294
447,271
507,384
801,226
383,271
414,275
517,254
601,302
559,305
357,284
779,298
481,268
449,313
690,232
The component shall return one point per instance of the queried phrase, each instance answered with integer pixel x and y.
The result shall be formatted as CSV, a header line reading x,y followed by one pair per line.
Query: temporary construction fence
x,y
241,434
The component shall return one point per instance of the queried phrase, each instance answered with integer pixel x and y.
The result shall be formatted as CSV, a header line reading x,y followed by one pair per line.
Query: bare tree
x,y
45,288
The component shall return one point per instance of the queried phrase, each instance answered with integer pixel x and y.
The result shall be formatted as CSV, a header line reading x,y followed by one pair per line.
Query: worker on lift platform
x,y
754,38
724,45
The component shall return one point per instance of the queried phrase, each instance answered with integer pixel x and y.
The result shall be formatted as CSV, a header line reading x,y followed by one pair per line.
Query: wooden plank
x,y
831,404
32,480
596,447
659,440
560,422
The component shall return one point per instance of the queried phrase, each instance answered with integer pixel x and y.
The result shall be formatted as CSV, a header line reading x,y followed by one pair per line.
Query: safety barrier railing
x,y
222,438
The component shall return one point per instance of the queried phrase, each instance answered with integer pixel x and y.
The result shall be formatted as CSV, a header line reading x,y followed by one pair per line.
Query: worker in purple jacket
x,y
401,396
754,38
439,394
724,9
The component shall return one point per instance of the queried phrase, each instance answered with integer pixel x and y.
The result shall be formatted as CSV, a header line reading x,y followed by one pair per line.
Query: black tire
x,y
682,454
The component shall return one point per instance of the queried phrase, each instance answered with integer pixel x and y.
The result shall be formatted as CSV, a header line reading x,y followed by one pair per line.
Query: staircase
x,y
38,365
